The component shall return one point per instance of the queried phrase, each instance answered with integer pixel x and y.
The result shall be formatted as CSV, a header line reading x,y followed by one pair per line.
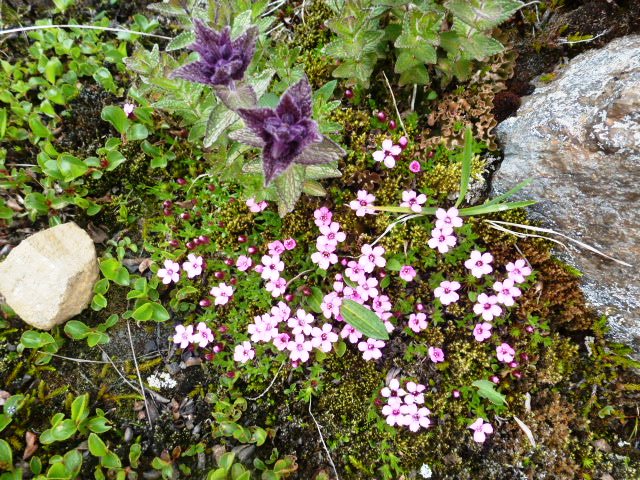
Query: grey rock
x,y
49,277
578,137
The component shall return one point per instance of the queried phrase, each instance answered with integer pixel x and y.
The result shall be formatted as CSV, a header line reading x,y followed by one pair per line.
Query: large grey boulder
x,y
578,137
49,277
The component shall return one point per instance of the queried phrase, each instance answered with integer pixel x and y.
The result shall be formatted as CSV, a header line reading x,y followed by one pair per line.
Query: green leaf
x,y
137,131
33,339
104,78
76,329
483,15
467,160
80,408
114,271
226,461
364,320
96,446
219,122
486,389
510,193
259,436
98,302
4,421
98,424
6,456
311,187
38,128
289,188
320,172
217,474
151,311
116,117
3,122
73,461
180,41
101,286
393,265
110,460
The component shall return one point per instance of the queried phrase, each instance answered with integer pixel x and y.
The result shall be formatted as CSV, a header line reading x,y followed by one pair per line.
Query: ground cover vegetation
x,y
297,279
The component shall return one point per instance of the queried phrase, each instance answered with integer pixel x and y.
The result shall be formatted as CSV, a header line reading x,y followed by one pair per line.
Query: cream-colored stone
x,y
49,277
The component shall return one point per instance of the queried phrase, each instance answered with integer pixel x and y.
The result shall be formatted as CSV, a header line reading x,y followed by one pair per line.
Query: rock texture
x,y
579,139
49,277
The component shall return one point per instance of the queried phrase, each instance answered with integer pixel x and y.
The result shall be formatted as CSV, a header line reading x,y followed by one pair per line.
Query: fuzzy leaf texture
x,y
483,15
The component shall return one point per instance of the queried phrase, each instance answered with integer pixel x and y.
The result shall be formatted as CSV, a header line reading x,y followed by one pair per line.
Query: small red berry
x,y
185,216
231,374
167,204
524,357
348,93
219,275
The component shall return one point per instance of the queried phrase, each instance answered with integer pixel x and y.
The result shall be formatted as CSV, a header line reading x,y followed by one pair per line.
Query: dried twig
x,y
135,362
395,105
324,445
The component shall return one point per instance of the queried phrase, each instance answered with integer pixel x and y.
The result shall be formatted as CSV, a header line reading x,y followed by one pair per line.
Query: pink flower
x,y
407,273
507,291
222,293
480,430
299,348
371,257
393,390
381,304
325,257
330,305
371,349
354,271
417,322
203,335
272,266
276,287
331,234
263,328
193,267
243,353
415,166
323,216
323,338
128,109
414,393
518,271
446,292
414,417
276,247
350,332
367,288
482,331
170,272
256,207
413,201
393,412
479,263
281,341
505,353
183,336
362,202
301,323
388,153
487,307
442,239
436,354
280,312
289,244
243,263
448,218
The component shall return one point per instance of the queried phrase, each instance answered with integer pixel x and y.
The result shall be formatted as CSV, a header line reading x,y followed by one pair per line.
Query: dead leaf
x,y
3,396
32,445
144,265
97,234
526,430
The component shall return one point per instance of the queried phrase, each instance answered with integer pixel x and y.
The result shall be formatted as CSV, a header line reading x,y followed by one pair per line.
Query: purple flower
x,y
480,430
222,60
287,134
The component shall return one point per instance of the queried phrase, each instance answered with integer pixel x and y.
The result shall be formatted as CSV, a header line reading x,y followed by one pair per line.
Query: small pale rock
x,y
49,277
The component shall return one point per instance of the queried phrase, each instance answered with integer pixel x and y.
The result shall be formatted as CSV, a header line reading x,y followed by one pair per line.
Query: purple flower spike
x,y
222,60
287,134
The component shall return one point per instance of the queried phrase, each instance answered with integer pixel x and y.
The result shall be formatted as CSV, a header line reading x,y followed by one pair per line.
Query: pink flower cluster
x,y
442,237
185,336
327,242
256,207
362,204
403,407
171,271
